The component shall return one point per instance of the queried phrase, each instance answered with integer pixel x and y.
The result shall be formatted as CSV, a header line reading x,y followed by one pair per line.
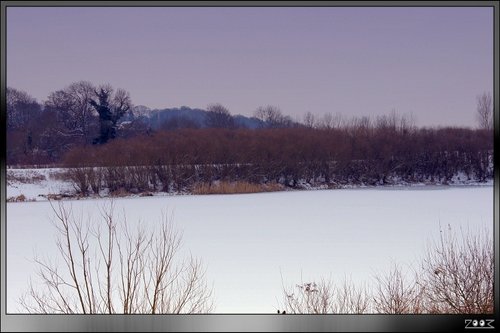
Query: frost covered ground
x,y
249,242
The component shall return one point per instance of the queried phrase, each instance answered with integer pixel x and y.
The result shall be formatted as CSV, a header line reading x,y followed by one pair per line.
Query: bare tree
x,y
272,116
363,123
110,107
22,108
73,109
218,116
394,122
109,269
23,123
309,120
485,111
330,121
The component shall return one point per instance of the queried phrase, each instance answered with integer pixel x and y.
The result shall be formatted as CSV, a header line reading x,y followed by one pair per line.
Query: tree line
x,y
295,157
84,114
86,126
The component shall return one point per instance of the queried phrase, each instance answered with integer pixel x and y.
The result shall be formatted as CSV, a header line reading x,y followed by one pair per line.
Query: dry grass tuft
x,y
225,187
119,193
19,198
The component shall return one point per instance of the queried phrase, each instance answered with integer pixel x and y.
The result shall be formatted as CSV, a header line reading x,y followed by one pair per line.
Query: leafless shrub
x,y
84,179
325,297
107,268
116,178
95,179
395,293
352,298
455,277
140,177
80,179
309,297
183,176
457,273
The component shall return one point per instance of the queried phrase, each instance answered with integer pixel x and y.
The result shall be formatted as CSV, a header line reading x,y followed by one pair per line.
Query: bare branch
x,y
141,271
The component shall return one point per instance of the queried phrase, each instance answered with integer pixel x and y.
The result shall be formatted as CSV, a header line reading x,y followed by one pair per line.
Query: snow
x,y
36,184
249,242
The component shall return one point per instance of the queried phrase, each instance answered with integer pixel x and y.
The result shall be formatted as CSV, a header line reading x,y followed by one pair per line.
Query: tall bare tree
x,y
73,110
310,120
272,116
330,121
23,120
111,107
22,108
111,269
218,116
484,113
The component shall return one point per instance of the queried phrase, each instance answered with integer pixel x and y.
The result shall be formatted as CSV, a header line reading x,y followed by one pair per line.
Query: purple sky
x,y
431,62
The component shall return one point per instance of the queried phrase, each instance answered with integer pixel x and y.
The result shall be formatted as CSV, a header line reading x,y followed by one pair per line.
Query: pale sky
x,y
431,62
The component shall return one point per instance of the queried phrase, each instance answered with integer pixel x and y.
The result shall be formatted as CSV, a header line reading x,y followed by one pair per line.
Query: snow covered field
x,y
249,241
